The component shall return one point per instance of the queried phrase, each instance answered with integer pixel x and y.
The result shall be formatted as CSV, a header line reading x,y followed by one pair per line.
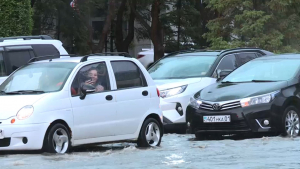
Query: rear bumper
x,y
15,135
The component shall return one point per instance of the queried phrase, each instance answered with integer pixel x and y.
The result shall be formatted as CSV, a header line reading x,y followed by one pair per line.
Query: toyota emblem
x,y
216,106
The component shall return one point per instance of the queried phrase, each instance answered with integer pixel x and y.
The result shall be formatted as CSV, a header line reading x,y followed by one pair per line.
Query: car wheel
x,y
57,140
150,134
291,122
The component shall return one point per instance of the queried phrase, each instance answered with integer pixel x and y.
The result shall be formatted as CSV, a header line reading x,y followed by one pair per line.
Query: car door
x,y
95,114
132,96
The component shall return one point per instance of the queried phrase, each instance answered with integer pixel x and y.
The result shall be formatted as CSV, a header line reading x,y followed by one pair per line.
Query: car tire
x,y
57,139
290,122
150,134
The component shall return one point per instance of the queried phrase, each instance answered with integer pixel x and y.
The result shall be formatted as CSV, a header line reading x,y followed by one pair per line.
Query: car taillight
x,y
140,56
158,94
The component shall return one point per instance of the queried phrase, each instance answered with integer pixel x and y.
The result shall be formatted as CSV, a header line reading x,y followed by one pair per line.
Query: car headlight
x,y
195,103
25,112
266,98
172,92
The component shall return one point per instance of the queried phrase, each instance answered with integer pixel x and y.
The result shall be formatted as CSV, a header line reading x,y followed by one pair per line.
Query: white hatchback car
x,y
59,103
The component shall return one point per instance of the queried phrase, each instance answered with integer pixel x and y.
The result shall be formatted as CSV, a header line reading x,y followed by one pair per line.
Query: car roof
x,y
281,56
29,42
205,52
198,53
90,59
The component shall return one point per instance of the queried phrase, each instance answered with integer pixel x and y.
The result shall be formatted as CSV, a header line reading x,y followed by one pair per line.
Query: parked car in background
x,y
58,103
146,57
261,96
16,51
180,75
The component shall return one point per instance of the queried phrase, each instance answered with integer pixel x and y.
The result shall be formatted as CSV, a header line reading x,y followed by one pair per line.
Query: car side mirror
x,y
85,89
221,74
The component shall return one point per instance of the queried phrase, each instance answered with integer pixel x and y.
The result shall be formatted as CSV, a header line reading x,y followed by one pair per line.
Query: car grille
x,y
225,106
223,126
4,142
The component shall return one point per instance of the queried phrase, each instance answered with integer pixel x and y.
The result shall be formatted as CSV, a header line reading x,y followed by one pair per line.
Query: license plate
x,y
216,119
1,134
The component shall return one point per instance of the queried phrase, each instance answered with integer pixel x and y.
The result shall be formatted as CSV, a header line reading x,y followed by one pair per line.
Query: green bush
x,y
15,17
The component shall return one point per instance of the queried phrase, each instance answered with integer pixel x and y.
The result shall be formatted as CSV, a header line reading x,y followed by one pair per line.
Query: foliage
x,y
270,24
15,18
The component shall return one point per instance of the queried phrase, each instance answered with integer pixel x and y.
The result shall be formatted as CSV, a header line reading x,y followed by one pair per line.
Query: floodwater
x,y
176,151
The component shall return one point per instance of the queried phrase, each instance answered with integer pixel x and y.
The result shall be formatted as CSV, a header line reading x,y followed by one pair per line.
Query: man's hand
x,y
99,88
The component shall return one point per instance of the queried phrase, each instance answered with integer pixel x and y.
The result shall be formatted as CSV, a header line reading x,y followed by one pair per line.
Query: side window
x,y
45,49
228,62
2,66
94,75
128,74
18,58
242,58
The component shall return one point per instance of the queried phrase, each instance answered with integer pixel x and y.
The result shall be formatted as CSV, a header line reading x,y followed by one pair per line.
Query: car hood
x,y
11,104
231,91
172,83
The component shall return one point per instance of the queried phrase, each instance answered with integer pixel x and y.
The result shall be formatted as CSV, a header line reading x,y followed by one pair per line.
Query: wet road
x,y
176,151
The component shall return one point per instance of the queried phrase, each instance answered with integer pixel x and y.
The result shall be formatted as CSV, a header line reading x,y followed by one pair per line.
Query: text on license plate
x,y
216,119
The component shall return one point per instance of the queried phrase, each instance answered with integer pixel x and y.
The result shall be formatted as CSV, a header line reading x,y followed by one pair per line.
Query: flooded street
x,y
176,151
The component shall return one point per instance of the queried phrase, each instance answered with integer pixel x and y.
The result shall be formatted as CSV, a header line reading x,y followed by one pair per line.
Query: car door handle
x,y
145,93
109,97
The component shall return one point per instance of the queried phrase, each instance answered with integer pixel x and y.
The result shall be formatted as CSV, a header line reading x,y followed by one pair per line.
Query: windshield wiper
x,y
2,92
25,91
226,82
263,81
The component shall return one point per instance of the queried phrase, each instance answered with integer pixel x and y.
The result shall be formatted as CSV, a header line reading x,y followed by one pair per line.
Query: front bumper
x,y
174,109
14,136
243,120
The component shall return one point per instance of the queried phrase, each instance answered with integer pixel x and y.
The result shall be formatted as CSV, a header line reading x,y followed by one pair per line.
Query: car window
x,y
267,70
94,75
18,58
2,66
179,67
242,58
45,49
128,74
228,62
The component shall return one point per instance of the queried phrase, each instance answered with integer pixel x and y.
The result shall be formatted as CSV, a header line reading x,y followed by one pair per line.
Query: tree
x,y
15,18
122,44
108,22
270,24
155,30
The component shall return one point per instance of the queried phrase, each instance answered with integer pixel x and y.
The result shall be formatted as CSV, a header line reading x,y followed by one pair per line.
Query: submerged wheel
x,y
57,140
291,122
150,134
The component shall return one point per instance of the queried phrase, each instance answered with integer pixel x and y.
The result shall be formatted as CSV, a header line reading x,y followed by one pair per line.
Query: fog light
x,y
25,140
266,122
179,109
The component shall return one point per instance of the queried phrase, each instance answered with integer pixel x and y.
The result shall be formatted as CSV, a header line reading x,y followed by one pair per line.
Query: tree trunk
x,y
107,26
122,44
157,31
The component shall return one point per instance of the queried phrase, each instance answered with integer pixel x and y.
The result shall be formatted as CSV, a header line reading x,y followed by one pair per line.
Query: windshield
x,y
43,77
265,70
182,67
